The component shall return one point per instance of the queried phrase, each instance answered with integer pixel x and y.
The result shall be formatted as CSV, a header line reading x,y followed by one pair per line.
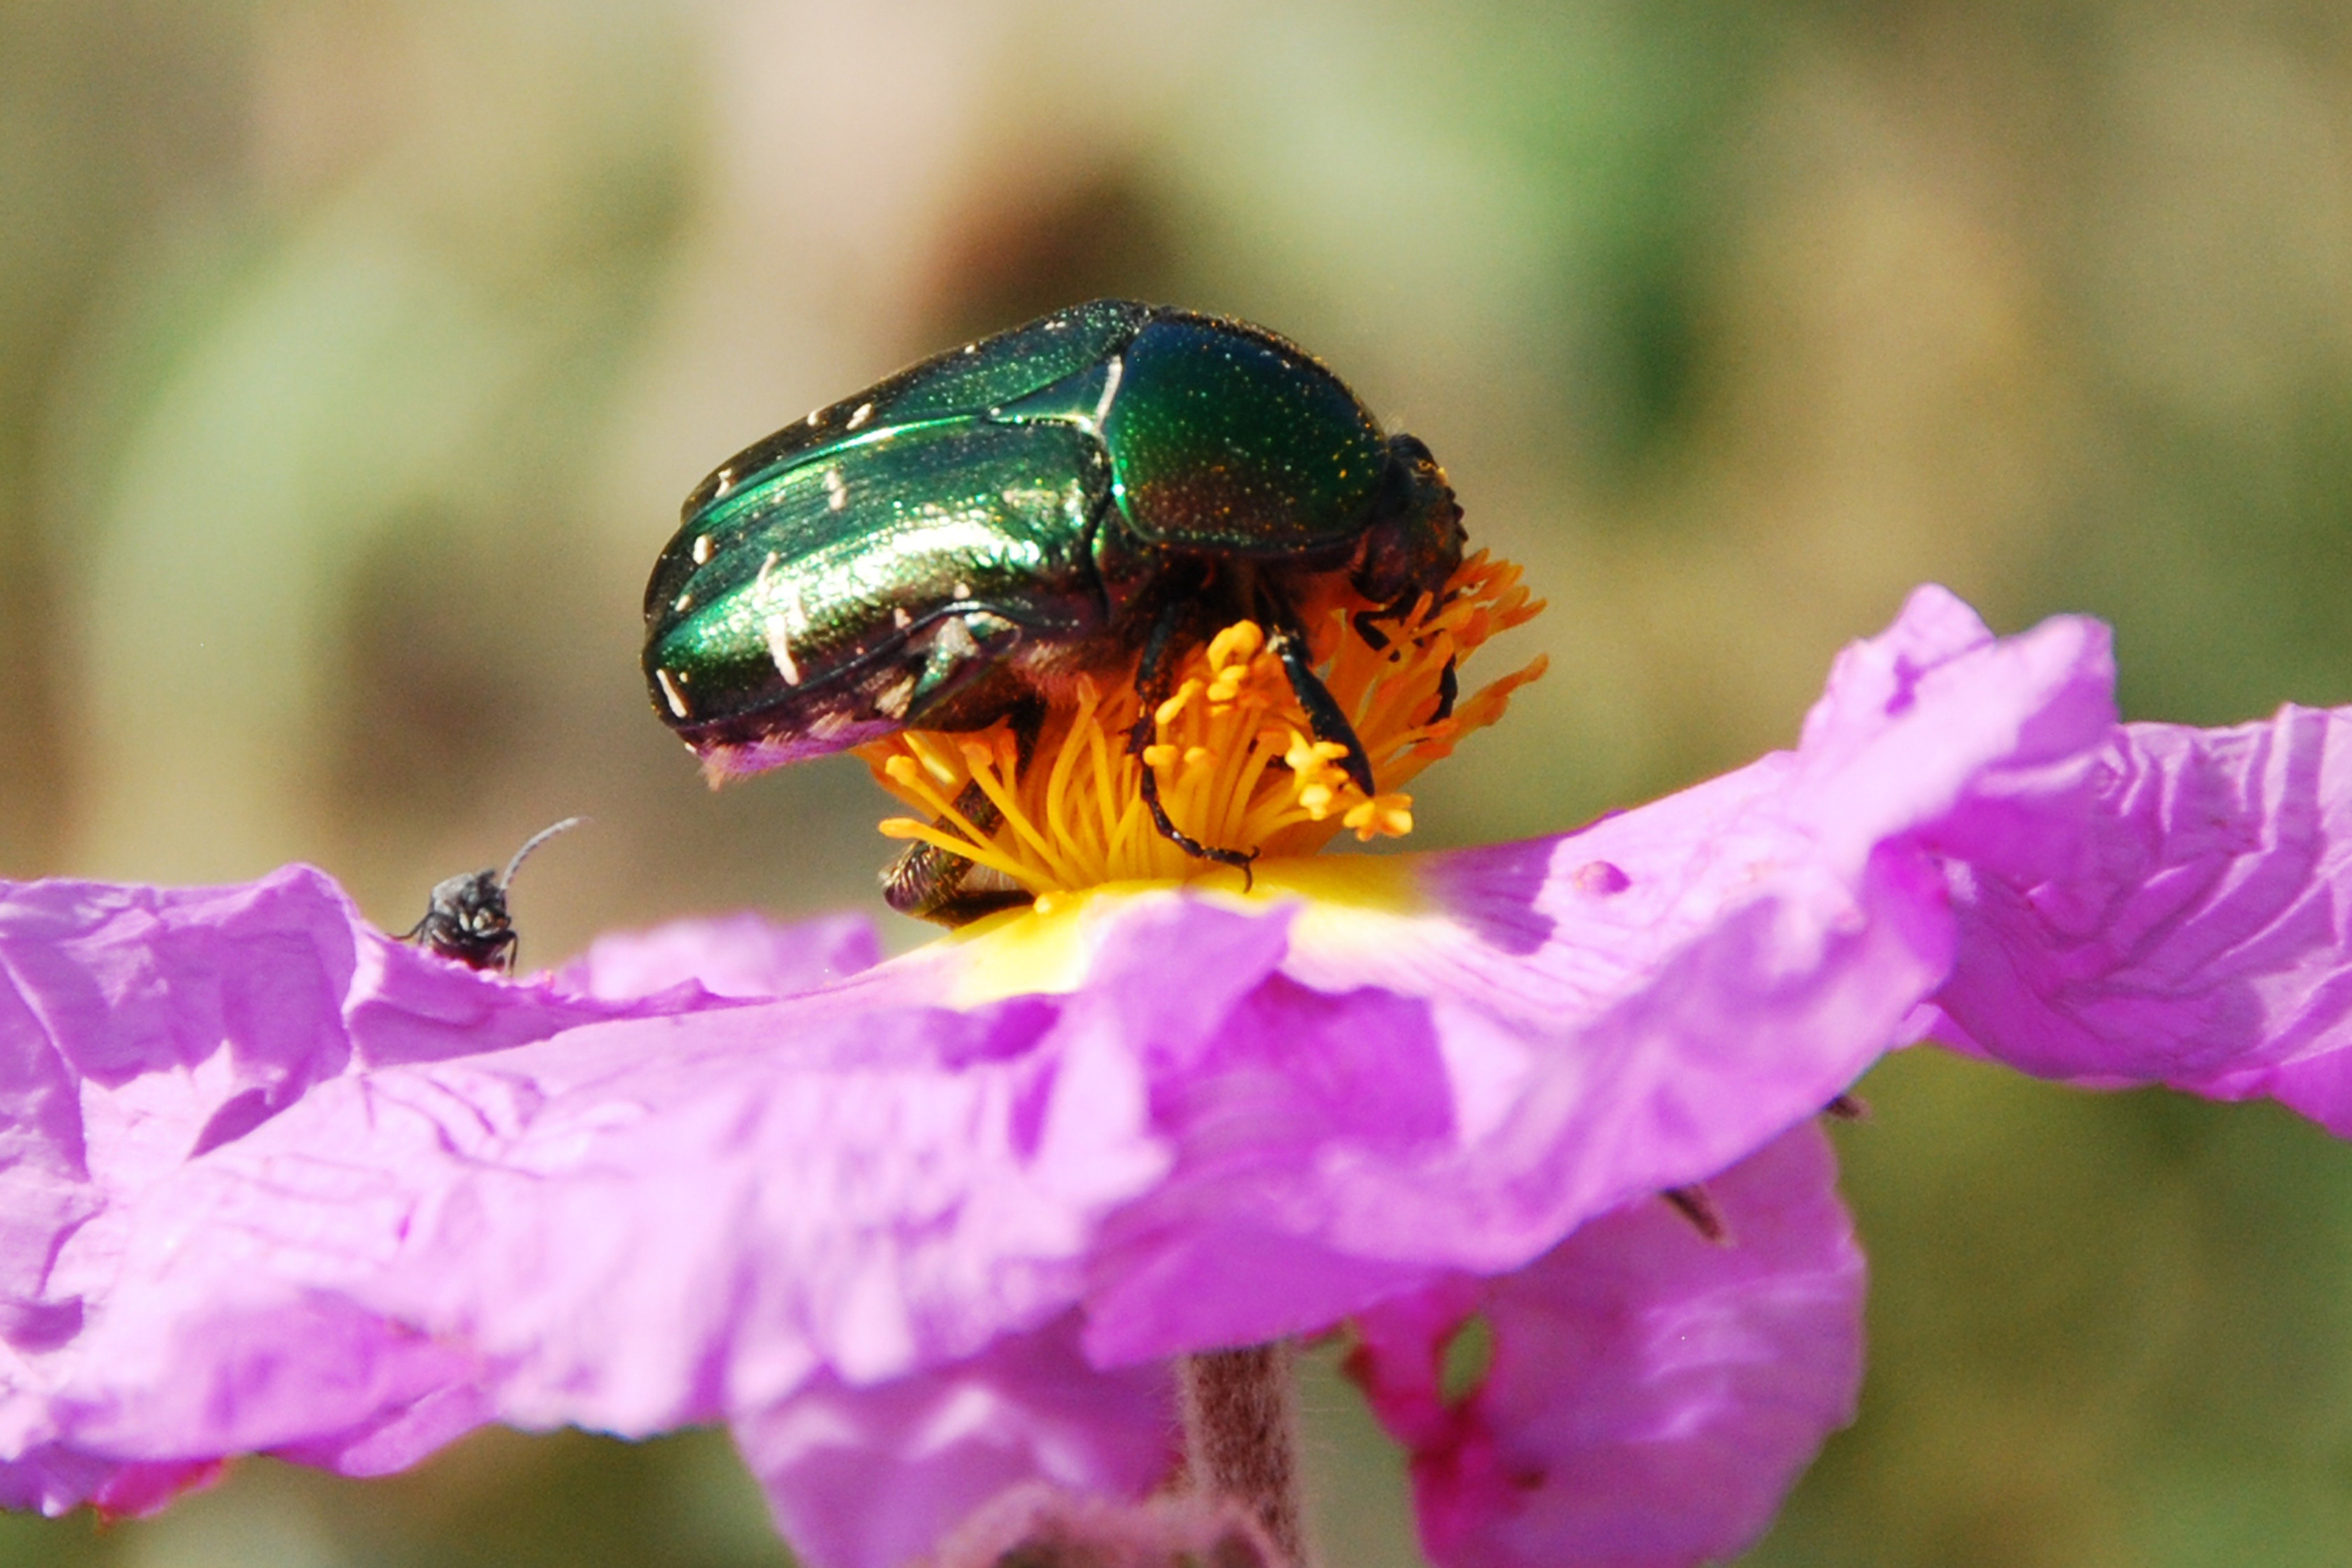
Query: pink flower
x,y
926,1232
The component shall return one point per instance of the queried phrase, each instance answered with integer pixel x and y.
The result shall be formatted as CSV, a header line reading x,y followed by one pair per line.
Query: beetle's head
x,y
1415,538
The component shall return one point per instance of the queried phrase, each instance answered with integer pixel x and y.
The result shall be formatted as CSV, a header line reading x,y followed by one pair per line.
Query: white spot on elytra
x,y
701,548
670,694
726,483
683,602
779,648
962,591
814,414
859,415
901,620
836,491
1110,390
778,626
955,639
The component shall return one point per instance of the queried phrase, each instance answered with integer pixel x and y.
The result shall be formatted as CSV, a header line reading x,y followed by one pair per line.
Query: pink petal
x,y
147,1035
1546,1030
743,954
649,1222
55,1480
2176,914
877,1476
1651,1395
280,1182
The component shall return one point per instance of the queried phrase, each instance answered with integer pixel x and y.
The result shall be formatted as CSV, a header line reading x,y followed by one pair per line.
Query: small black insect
x,y
467,918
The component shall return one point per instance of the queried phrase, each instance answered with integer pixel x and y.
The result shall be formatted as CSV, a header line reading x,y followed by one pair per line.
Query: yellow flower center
x,y
1237,765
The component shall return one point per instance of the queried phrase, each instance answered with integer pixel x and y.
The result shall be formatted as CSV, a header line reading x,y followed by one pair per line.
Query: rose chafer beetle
x,y
1092,492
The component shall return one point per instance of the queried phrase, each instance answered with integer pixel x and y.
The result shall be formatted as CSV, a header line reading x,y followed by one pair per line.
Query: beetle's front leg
x,y
1324,716
1449,686
1151,691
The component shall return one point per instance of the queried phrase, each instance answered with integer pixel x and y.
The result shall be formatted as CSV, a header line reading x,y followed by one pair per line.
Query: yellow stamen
x,y
1238,764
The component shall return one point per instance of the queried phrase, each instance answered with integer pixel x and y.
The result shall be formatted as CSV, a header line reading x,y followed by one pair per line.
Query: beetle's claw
x,y
1186,841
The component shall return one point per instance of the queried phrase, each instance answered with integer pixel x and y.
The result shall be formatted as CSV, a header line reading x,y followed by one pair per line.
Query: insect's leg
x,y
1027,723
1151,672
1151,676
1367,623
1186,841
1694,1204
1449,686
1323,714
935,884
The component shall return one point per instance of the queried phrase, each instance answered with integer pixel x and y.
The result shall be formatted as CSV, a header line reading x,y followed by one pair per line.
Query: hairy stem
x,y
1240,1423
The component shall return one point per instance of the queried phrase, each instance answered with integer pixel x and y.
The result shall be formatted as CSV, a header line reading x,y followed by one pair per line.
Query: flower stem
x,y
1241,1419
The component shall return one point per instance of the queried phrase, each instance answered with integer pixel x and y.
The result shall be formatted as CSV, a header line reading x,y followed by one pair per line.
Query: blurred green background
x,y
354,357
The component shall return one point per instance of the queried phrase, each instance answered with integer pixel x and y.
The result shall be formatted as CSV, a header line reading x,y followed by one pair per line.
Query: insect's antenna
x,y
533,843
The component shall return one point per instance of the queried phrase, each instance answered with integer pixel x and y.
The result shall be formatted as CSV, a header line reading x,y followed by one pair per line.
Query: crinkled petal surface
x,y
140,1031
656,1221
743,955
1650,1394
680,1208
1450,1061
2173,907
276,1182
879,1476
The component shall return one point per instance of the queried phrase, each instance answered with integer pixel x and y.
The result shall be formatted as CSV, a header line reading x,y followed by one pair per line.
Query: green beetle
x,y
1097,490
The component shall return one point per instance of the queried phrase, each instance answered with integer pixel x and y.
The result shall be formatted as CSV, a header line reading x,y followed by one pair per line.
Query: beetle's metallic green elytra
x,y
1080,495
921,552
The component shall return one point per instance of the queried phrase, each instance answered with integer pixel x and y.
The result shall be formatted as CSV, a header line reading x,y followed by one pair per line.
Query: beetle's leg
x,y
933,884
1696,1204
1186,841
1151,691
1449,686
1323,714
1367,623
